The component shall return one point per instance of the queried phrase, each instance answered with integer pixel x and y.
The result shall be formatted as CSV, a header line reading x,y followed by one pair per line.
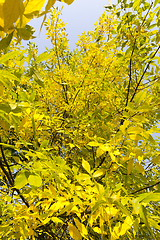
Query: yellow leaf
x,y
1,16
156,159
49,4
52,189
139,167
81,227
97,230
86,166
1,90
130,166
33,5
126,225
98,173
136,4
66,1
21,180
135,130
35,180
93,144
112,157
105,147
124,126
56,220
74,233
11,12
100,152
111,211
140,96
110,2
83,177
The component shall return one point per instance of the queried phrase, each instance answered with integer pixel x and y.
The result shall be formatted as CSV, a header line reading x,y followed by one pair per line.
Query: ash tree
x,y
79,155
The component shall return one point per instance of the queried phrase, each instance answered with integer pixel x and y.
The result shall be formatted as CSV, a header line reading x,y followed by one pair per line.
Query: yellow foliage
x,y
77,154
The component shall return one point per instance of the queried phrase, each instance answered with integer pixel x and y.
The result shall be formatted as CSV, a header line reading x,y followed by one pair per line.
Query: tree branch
x,y
147,14
144,74
130,74
146,188
6,163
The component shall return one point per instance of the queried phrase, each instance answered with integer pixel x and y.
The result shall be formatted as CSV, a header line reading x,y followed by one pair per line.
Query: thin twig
x,y
144,73
146,14
146,188
130,74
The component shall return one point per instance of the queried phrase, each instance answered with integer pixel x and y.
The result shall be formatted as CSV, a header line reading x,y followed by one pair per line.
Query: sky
x,y
79,16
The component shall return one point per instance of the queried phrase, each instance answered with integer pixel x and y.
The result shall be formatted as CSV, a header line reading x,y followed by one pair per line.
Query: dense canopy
x,y
79,155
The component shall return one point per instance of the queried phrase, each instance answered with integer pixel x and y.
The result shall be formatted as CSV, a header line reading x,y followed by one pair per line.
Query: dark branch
x,y
146,188
144,74
130,74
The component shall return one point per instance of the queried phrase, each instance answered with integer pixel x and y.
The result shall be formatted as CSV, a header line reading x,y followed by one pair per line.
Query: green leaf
x,y
43,56
8,56
4,43
156,2
44,143
153,197
38,78
35,180
140,96
34,127
154,224
143,215
26,33
5,107
7,74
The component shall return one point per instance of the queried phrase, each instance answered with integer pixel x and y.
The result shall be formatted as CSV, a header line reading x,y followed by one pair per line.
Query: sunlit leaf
x,y
66,1
35,180
43,56
8,56
7,74
136,4
155,197
98,173
93,144
86,165
21,180
33,5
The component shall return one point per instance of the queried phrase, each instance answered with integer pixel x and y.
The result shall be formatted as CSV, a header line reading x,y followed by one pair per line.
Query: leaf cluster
x,y
77,154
